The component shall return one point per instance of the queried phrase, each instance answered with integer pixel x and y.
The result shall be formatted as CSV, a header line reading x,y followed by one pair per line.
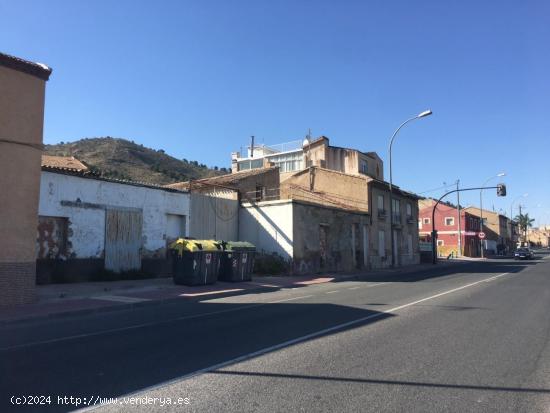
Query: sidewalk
x,y
65,300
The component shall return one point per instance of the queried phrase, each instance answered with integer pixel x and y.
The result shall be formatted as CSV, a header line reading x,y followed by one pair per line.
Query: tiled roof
x,y
89,174
67,163
39,70
223,180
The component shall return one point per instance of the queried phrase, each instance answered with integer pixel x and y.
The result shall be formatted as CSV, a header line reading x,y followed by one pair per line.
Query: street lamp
x,y
481,205
420,115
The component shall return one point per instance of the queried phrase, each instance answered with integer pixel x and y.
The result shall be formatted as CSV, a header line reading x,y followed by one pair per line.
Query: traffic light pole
x,y
434,231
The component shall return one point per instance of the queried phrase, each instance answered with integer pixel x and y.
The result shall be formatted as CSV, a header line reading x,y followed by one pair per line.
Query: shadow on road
x,y
468,268
131,359
385,382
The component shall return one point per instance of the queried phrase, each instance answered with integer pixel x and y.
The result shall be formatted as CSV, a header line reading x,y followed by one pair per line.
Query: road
x,y
474,338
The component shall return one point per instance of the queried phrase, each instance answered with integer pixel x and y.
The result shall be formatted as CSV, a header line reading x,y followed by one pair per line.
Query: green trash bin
x,y
237,262
195,262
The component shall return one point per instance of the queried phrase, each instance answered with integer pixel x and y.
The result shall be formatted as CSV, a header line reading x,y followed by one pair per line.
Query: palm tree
x,y
524,223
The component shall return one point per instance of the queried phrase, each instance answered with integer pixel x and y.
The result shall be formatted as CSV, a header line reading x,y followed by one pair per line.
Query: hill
x,y
124,159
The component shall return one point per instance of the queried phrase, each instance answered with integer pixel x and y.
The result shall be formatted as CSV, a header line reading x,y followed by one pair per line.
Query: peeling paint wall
x,y
327,239
84,201
51,240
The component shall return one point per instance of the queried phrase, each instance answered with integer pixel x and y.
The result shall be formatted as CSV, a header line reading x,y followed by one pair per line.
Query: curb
x,y
173,300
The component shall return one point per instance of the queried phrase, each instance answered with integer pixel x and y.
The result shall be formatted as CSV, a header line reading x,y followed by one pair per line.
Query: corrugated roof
x,y
39,70
68,163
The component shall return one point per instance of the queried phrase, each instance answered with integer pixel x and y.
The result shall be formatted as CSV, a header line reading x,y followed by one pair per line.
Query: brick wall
x,y
17,283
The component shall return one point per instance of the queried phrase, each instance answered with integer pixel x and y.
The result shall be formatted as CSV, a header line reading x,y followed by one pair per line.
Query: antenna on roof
x,y
252,146
307,140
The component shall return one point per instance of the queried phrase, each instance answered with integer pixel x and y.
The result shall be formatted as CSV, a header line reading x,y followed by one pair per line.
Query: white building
x,y
88,223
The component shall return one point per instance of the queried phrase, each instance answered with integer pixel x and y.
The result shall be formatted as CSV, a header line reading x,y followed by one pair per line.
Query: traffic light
x,y
501,190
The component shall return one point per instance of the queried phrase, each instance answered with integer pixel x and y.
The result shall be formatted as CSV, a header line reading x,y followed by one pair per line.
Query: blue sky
x,y
197,78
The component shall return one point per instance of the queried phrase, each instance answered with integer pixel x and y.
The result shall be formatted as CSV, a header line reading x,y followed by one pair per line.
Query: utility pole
x,y
519,223
459,220
501,191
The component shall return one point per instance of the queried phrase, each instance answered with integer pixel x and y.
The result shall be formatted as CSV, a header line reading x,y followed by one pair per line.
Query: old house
x,y
366,195
331,212
296,156
88,223
448,229
215,201
312,237
497,229
22,85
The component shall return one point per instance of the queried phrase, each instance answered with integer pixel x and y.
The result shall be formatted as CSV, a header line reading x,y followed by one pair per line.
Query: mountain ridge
x,y
124,159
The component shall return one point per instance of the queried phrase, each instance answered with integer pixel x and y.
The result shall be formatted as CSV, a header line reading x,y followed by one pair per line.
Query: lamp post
x,y
481,206
420,115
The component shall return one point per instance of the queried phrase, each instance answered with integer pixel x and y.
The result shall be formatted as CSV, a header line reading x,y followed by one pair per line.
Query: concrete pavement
x,y
472,339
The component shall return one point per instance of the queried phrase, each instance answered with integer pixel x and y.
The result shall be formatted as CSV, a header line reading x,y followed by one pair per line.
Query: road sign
x,y
481,235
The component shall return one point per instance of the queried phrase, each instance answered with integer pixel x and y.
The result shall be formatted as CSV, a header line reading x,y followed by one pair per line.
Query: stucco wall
x,y
21,120
342,250
403,230
336,189
269,226
60,195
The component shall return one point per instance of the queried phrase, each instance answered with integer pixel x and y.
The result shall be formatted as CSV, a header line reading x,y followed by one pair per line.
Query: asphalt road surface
x,y
474,338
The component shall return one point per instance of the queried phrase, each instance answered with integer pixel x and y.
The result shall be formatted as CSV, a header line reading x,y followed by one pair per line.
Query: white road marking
x,y
297,340
332,292
290,299
244,307
120,298
370,285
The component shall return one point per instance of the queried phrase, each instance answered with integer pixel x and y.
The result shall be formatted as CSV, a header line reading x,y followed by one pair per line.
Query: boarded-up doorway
x,y
123,239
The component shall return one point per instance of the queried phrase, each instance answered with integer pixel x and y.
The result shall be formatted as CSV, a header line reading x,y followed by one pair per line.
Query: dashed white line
x,y
298,340
290,299
332,292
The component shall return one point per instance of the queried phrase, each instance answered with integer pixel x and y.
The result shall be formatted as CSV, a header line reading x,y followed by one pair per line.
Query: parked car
x,y
523,254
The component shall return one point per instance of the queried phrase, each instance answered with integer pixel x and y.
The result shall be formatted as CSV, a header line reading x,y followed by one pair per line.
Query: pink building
x,y
446,224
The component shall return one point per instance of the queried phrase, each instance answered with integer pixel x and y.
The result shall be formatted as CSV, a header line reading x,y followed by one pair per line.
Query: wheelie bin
x,y
195,262
237,261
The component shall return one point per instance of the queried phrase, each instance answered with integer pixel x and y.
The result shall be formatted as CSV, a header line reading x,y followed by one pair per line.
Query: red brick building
x,y
446,224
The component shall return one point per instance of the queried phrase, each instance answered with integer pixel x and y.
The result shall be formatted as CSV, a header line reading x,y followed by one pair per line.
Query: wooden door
x,y
123,239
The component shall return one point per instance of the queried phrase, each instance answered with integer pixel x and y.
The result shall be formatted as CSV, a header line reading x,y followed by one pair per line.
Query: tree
x,y
524,222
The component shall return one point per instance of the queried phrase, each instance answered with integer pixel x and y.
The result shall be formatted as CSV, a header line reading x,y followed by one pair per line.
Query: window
x,y
288,162
380,202
409,244
381,210
409,211
250,164
440,243
363,167
396,211
426,220
381,243
449,221
260,193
